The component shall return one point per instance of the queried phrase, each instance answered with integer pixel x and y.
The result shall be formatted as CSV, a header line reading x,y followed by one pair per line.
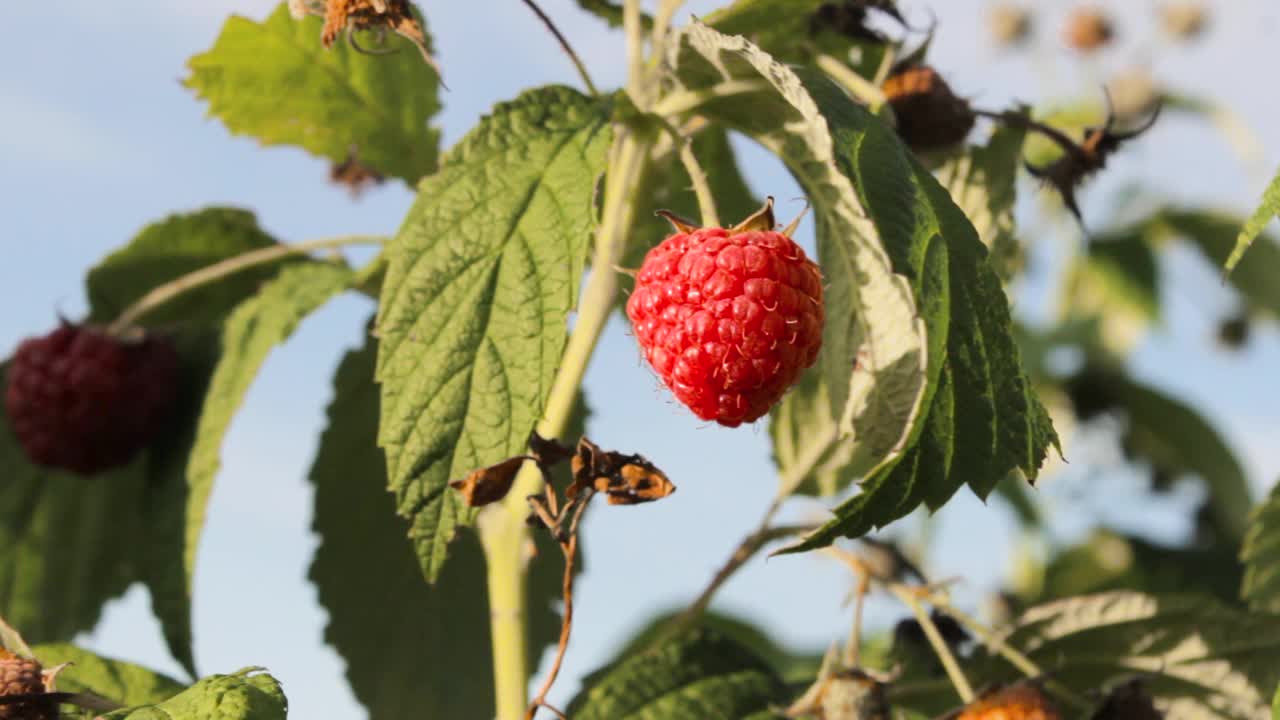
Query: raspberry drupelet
x,y
728,318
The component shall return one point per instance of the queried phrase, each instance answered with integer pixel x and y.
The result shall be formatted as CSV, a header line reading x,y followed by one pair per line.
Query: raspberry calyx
x,y
85,400
728,318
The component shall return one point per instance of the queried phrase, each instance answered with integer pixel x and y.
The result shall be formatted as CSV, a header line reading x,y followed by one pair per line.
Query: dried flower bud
x,y
491,484
1088,29
1009,24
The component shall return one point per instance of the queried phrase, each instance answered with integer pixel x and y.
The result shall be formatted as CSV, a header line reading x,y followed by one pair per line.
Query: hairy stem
x,y
564,43
701,187
865,91
502,529
662,24
632,24
686,100
160,295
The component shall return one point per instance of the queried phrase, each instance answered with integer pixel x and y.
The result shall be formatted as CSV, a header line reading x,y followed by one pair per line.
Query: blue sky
x,y
98,137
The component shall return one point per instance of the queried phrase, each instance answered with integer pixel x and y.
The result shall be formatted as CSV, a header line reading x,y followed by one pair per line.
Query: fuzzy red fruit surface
x,y
728,321
86,401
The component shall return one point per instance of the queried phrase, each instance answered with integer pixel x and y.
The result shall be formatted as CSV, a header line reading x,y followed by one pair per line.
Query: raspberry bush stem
x,y
164,293
686,100
862,90
503,532
701,187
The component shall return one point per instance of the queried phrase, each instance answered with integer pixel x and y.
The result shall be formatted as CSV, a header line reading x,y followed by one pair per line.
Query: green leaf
x,y
1261,555
252,330
442,665
1173,436
72,543
1253,227
982,182
1116,283
1275,706
480,282
611,12
123,682
249,694
699,674
794,667
439,665
170,248
873,360
1214,234
981,415
1108,560
1197,658
782,28
274,81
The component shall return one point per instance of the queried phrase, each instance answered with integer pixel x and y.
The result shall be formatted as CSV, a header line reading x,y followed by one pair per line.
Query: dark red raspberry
x,y
21,676
87,401
728,318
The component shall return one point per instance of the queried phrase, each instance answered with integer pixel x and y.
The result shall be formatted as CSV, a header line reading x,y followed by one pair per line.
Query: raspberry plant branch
x,y
682,101
701,186
503,532
164,293
634,28
863,90
662,25
564,44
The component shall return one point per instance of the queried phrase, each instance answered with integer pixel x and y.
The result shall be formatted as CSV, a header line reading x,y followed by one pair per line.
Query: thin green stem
x,y
662,25
160,295
993,642
504,571
701,187
686,100
564,43
632,24
865,91
502,528
940,648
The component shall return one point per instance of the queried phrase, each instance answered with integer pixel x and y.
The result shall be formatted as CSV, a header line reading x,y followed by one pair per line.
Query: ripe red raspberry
x,y
87,401
21,676
728,318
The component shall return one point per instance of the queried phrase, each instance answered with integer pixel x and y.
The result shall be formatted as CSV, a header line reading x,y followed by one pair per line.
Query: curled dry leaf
x,y
624,479
354,175
491,484
548,452
1081,160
